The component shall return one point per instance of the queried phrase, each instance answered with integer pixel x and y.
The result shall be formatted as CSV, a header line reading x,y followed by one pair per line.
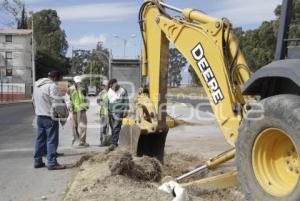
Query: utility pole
x,y
33,49
91,71
1,76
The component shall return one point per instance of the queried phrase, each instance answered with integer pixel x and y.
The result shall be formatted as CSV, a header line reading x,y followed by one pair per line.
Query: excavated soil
x,y
118,176
140,169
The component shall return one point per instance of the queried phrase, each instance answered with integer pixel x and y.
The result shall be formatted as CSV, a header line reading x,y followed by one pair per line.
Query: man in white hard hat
x,y
78,105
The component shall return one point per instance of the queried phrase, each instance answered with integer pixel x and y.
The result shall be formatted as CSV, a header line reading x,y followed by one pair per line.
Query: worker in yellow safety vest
x,y
78,105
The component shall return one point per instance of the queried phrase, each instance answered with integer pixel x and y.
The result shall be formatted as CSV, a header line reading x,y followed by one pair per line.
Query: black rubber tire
x,y
283,112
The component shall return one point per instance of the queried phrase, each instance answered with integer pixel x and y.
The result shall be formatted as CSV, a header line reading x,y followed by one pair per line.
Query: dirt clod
x,y
144,168
120,163
147,169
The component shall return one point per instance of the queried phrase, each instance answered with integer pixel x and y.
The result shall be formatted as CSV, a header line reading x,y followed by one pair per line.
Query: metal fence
x,y
10,92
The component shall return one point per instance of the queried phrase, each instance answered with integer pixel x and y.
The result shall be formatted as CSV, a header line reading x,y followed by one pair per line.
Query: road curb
x,y
16,102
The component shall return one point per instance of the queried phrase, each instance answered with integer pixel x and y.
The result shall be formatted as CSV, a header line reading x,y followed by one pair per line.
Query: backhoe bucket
x,y
139,143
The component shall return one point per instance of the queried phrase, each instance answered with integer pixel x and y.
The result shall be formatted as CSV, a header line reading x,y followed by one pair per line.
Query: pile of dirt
x,y
95,180
141,169
120,163
176,164
120,176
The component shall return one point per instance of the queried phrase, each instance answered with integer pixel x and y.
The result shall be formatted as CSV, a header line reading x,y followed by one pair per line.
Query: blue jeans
x,y
116,124
46,139
104,122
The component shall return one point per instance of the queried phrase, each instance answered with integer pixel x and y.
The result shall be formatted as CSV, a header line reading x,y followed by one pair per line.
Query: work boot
x,y
56,167
59,154
84,144
39,165
81,145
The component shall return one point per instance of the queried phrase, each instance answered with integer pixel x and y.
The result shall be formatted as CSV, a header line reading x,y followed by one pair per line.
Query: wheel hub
x,y
275,162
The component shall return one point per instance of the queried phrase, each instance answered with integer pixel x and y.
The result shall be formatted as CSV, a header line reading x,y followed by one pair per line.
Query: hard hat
x,y
105,82
77,79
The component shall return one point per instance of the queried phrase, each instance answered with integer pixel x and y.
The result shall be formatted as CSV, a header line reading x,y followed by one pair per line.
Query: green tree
x,y
80,60
13,12
195,79
50,41
94,62
259,44
22,22
48,34
176,64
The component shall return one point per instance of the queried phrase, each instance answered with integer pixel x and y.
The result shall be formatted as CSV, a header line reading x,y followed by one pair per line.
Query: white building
x,y
16,57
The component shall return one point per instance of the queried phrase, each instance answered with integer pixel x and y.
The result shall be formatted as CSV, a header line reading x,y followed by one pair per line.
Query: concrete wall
x,y
12,92
294,52
21,63
128,74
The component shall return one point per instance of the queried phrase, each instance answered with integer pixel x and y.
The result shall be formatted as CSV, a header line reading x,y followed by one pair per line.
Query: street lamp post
x,y
108,57
125,41
32,49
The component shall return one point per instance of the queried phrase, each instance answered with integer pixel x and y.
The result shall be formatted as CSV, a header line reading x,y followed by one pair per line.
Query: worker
x,y
45,99
118,109
104,116
78,104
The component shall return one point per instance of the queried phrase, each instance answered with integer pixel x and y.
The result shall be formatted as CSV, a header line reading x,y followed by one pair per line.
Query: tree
x,y
94,62
22,22
259,44
13,10
50,41
79,60
48,34
176,64
195,79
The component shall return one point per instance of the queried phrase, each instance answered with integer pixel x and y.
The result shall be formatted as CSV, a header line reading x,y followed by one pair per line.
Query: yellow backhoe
x,y
257,113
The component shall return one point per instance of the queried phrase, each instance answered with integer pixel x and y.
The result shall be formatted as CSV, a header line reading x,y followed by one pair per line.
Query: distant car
x,y
92,91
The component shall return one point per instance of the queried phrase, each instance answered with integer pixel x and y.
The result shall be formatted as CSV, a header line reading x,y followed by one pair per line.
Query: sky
x,y
88,21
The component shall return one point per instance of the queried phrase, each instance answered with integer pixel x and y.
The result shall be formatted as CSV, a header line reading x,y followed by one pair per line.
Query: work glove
x,y
176,190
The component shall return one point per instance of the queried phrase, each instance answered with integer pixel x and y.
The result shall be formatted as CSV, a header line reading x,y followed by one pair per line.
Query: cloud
x,y
246,12
98,12
88,40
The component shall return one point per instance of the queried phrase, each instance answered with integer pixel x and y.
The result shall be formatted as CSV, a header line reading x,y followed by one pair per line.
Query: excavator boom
x,y
211,48
266,143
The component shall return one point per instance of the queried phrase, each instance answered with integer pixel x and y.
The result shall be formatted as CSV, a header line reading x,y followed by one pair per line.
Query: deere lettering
x,y
207,73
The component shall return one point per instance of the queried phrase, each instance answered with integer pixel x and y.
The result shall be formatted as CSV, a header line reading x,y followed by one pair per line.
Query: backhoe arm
x,y
211,48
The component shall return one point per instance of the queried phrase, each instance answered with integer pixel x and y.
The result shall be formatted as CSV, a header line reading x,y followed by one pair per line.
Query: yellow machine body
x,y
213,51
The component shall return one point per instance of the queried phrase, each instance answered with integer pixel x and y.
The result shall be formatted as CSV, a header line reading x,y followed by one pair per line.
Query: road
x,y
196,102
19,181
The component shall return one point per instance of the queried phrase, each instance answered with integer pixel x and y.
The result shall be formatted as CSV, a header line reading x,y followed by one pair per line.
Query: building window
x,y
8,59
9,72
8,55
8,38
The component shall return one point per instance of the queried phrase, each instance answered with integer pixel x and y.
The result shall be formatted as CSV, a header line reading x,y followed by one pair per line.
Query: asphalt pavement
x,y
200,103
19,181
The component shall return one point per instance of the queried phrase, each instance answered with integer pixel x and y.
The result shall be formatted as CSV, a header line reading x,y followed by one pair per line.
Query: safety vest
x,y
78,100
104,102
